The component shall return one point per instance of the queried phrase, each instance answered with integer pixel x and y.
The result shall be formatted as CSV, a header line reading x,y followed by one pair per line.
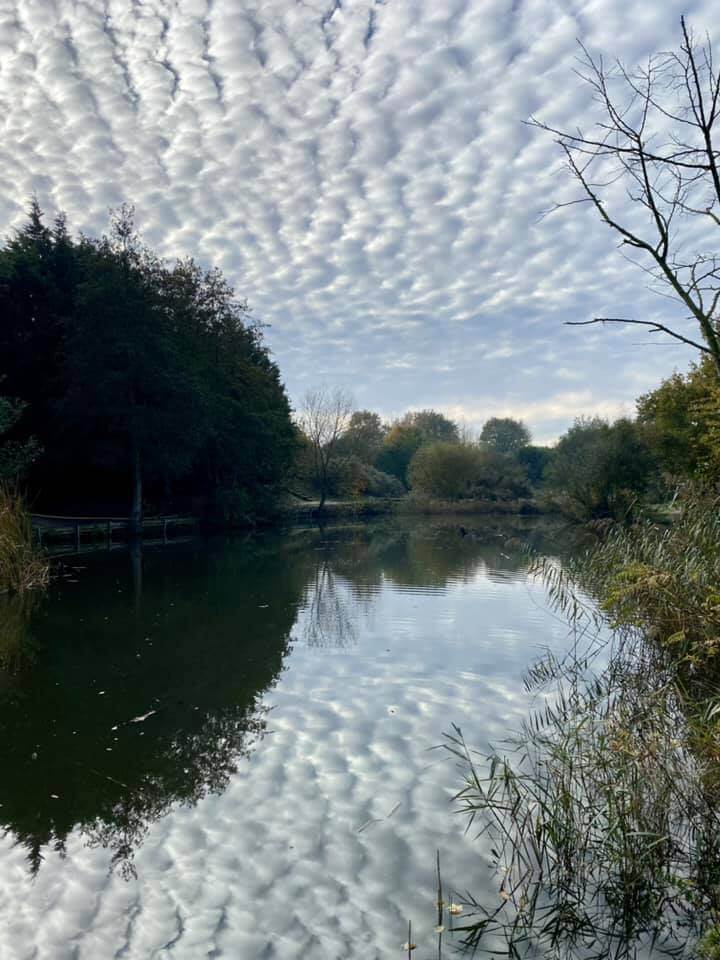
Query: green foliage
x,y
602,810
602,832
432,426
709,946
500,477
137,370
407,435
363,437
16,456
357,478
601,469
445,470
505,435
681,420
456,471
399,446
536,461
664,581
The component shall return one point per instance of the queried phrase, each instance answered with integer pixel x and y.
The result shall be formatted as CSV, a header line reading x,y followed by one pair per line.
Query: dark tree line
x,y
140,380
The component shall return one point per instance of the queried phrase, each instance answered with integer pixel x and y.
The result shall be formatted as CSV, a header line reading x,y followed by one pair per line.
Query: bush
x,y
354,477
601,469
536,461
445,470
459,471
500,477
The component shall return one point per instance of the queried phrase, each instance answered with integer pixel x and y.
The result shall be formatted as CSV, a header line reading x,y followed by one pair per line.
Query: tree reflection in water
x,y
352,562
138,683
145,693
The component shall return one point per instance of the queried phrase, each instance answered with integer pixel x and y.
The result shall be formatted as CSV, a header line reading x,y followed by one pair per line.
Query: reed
x,y
602,813
23,565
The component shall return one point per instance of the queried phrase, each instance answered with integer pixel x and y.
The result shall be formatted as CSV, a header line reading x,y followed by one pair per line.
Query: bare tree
x,y
656,137
323,418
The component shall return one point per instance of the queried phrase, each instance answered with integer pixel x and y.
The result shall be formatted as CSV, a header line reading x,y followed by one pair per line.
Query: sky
x,y
362,173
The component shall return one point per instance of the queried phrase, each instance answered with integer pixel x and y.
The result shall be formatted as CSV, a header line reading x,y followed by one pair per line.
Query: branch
x,y
656,328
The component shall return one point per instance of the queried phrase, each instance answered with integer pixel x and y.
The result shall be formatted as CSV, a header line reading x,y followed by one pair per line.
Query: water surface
x,y
224,748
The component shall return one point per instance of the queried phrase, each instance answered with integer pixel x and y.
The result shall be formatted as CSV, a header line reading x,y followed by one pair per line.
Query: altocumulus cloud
x,y
361,171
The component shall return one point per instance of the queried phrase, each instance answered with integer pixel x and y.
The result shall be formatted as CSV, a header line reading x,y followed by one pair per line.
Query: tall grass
x,y
603,834
23,566
603,811
664,581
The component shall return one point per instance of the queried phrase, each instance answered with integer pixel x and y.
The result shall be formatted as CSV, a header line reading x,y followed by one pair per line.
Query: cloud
x,y
546,416
360,171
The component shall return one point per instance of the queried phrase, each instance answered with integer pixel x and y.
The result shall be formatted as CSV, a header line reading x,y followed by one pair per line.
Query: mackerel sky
x,y
361,171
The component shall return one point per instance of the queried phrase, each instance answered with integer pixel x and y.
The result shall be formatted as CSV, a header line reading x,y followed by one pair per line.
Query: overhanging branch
x,y
655,327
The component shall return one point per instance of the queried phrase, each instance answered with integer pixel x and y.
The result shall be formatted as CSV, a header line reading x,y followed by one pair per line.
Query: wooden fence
x,y
65,529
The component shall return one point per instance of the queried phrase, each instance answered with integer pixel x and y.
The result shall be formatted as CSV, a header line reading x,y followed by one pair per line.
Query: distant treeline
x,y
128,380
345,453
597,469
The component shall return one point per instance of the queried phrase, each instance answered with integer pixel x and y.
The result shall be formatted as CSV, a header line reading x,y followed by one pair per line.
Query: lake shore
x,y
299,511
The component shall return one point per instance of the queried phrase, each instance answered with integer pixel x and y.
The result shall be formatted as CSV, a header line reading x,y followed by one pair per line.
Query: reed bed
x,y
602,813
23,566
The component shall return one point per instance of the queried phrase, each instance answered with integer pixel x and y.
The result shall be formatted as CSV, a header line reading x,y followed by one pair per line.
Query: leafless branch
x,y
655,328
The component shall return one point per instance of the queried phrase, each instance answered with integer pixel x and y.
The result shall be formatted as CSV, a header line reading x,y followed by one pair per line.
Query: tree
x,y
535,460
140,377
408,434
656,135
399,446
445,470
324,417
601,469
432,425
678,417
16,456
127,349
364,436
505,434
457,471
500,477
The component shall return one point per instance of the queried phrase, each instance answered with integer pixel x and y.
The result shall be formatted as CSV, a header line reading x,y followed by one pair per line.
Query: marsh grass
x,y
601,813
664,581
23,566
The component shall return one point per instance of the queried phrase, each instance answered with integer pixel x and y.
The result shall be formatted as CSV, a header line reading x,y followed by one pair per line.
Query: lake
x,y
225,748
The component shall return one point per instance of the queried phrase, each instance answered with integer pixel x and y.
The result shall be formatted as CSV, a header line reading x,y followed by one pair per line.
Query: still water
x,y
225,748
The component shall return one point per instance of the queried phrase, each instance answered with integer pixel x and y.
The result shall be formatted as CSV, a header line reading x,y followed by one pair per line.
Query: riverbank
x,y
307,511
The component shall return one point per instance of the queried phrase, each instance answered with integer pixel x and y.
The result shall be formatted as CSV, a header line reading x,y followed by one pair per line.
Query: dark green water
x,y
223,748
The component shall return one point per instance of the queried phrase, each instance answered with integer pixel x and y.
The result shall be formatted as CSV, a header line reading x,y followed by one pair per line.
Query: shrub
x,y
458,471
601,469
445,470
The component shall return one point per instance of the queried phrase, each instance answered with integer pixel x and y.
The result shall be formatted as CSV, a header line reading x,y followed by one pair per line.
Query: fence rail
x,y
58,527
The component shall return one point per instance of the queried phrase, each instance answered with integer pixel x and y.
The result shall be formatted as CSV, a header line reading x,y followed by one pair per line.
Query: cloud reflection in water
x,y
322,843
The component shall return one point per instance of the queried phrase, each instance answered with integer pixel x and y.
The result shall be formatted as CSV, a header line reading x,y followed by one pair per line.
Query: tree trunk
x,y
136,561
136,506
